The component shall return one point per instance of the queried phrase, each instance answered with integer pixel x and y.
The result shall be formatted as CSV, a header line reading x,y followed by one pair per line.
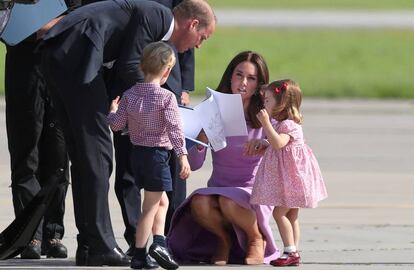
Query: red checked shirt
x,y
151,114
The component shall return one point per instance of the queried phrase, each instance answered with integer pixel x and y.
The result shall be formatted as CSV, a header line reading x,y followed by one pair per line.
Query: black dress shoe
x,y
54,248
81,256
130,251
162,256
113,257
148,263
32,251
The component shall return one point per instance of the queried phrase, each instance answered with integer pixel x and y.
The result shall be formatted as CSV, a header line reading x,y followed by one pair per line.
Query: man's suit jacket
x,y
105,31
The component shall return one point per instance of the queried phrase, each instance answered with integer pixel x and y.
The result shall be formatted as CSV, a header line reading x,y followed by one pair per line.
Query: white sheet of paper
x,y
232,113
220,116
210,119
190,121
25,19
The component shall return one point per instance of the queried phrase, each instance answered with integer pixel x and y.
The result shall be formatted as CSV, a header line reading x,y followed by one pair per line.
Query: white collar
x,y
170,31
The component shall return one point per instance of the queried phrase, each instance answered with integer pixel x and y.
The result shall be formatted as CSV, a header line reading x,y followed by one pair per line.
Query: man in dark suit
x,y
180,82
73,54
36,145
35,140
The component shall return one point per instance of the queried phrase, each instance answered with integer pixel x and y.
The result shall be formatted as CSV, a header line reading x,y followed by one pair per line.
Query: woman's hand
x,y
202,137
255,147
114,105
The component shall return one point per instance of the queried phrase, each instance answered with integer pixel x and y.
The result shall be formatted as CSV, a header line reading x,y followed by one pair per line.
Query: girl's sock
x,y
288,250
160,240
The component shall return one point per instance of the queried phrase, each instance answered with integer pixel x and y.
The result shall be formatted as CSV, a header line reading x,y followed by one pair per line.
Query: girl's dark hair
x,y
256,102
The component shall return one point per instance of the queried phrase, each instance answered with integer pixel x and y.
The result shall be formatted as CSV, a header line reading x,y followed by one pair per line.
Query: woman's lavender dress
x,y
232,177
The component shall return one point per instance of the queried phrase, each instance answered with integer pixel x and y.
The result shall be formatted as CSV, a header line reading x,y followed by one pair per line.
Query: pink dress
x,y
290,176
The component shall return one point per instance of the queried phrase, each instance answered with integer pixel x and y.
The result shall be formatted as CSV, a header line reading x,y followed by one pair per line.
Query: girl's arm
x,y
275,139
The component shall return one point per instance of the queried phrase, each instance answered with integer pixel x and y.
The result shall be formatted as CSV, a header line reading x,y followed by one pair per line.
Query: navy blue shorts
x,y
151,169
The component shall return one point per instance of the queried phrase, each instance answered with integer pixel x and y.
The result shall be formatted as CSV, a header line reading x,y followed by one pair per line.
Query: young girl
x,y
288,176
151,114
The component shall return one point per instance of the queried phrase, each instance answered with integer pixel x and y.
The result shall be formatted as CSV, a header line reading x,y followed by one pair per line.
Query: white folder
x,y
25,19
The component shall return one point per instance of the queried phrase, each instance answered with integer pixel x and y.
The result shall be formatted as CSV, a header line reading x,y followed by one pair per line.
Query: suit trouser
x,y
126,190
82,110
128,193
35,138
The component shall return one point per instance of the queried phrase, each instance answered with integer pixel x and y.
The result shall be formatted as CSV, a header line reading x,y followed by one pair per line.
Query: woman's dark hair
x,y
256,102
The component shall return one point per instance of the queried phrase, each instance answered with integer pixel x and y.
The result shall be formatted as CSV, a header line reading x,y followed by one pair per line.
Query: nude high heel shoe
x,y
255,252
222,253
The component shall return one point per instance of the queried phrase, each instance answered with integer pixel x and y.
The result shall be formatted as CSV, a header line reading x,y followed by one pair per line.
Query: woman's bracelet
x,y
265,142
200,147
261,143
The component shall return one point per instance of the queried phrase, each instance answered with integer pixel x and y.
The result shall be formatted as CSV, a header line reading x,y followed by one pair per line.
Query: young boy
x,y
151,114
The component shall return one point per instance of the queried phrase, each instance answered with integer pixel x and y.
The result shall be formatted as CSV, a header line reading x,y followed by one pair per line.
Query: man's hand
x,y
185,98
42,31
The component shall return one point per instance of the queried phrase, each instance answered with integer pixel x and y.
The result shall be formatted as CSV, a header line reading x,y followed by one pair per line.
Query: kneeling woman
x,y
217,224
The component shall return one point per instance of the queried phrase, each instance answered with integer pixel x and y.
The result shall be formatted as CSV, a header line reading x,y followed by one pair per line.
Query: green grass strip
x,y
374,64
314,4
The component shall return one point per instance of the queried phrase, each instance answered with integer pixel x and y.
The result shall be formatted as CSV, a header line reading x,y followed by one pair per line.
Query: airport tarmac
x,y
365,149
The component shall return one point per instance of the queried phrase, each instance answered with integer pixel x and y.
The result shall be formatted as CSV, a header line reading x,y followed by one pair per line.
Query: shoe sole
x,y
143,267
288,265
283,265
151,267
106,264
95,262
30,256
57,256
161,261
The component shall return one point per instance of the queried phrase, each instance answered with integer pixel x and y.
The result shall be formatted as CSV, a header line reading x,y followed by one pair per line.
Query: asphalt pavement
x,y
365,149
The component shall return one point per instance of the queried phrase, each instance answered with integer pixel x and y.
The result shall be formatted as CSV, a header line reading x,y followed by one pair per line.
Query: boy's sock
x,y
160,240
140,253
287,250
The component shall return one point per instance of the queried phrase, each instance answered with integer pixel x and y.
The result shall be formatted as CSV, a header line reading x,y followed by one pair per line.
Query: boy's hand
x,y
114,105
185,167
